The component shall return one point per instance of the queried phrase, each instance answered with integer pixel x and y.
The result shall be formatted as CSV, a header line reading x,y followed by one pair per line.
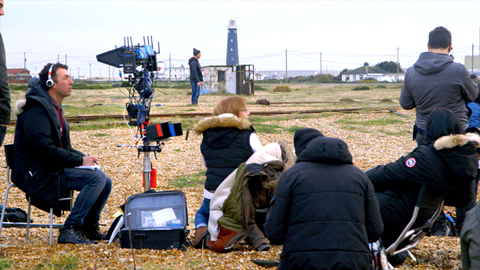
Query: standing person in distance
x,y
5,108
436,81
196,77
48,162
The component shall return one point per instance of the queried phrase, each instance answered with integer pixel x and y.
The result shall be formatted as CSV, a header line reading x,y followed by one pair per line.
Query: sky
x,y
272,35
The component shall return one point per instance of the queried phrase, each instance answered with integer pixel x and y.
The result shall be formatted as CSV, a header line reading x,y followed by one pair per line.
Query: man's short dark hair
x,y
43,75
440,38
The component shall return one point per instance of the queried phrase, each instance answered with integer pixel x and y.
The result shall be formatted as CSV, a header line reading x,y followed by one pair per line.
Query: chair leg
x,y
51,225
411,256
28,218
3,208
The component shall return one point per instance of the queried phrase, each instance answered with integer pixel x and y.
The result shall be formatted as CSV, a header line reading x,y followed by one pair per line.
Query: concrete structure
x,y
229,79
232,44
476,63
366,71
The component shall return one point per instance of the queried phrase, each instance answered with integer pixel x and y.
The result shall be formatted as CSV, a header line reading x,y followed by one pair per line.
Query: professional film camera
x,y
139,63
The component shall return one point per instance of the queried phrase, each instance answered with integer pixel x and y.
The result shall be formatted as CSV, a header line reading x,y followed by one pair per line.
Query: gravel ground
x,y
369,145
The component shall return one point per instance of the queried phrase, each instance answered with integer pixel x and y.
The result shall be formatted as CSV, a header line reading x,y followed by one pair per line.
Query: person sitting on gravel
x,y
228,141
45,162
470,240
448,161
248,190
324,211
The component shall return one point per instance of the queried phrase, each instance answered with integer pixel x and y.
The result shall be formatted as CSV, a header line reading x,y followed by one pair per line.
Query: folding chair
x,y
430,199
65,203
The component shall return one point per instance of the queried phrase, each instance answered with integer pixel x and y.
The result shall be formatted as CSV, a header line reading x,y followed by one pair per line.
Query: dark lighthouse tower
x,y
232,44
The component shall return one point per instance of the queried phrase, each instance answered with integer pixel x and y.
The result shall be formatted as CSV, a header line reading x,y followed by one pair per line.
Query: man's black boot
x,y
93,233
71,234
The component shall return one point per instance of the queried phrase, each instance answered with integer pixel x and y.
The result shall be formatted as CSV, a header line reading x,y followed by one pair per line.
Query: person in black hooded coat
x,y
448,161
324,210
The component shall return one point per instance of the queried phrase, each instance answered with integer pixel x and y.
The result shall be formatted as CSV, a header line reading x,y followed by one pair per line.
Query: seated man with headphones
x,y
45,162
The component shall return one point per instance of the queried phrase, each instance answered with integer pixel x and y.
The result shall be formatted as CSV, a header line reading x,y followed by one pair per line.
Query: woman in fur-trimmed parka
x,y
228,140
448,161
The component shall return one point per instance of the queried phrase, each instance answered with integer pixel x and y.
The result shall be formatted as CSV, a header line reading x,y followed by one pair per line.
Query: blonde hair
x,y
231,104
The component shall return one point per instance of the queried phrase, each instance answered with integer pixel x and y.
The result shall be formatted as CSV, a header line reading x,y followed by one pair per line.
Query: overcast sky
x,y
345,33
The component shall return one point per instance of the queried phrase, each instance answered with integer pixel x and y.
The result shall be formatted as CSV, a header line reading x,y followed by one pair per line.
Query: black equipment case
x,y
155,220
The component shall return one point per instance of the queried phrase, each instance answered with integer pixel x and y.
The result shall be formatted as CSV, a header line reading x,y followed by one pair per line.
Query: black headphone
x,y
50,82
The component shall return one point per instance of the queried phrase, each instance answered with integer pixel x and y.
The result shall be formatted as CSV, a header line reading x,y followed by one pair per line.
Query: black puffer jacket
x,y
39,160
225,145
195,70
449,164
324,211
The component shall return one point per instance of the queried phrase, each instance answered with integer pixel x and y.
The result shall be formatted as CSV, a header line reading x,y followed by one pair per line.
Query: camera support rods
x,y
146,148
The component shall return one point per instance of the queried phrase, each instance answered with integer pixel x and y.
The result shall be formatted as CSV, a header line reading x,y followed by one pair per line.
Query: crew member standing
x,y
196,77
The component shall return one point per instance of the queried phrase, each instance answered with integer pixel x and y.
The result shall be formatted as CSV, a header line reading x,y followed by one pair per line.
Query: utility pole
x,y
398,64
58,58
286,67
65,59
320,63
472,57
170,68
90,72
24,61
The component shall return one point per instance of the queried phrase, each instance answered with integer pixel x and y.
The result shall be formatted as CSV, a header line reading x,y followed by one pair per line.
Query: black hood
x,y
302,137
430,63
191,59
326,150
37,92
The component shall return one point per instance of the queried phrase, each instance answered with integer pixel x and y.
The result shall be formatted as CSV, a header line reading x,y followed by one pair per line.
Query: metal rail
x,y
195,114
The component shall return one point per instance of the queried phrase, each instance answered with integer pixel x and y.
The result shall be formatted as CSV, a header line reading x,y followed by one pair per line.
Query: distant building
x,y
18,75
468,62
367,71
281,74
259,77
176,74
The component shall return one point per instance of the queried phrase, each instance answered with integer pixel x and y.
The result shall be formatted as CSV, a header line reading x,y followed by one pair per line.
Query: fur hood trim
x,y
19,107
457,140
226,120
